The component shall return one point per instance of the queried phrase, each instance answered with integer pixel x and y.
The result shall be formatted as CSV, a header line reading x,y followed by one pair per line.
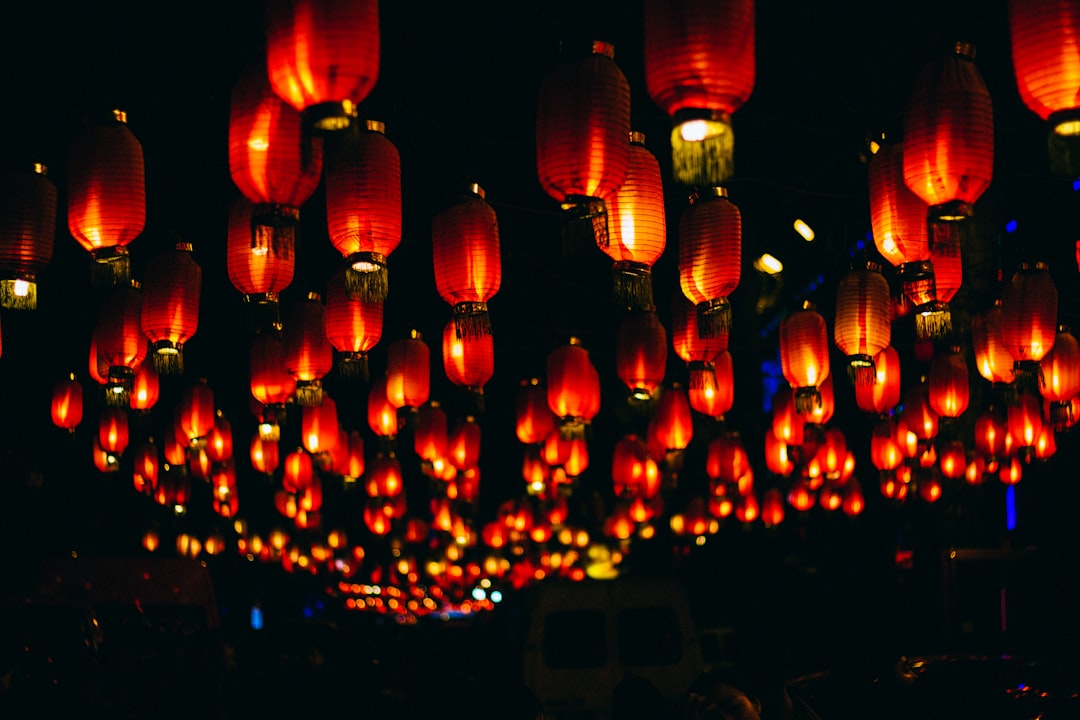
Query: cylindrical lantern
x,y
353,327
710,257
431,433
271,384
219,441
259,271
672,424
381,413
308,354
1029,305
633,472
949,135
883,394
1060,379
363,205
700,67
463,443
172,288
106,201
265,455
319,427
466,256
949,392
863,322
468,360
28,202
714,396
195,413
804,354
322,57
992,434
408,371
641,351
573,386
1046,60
113,430
533,417
145,388
121,344
993,361
66,408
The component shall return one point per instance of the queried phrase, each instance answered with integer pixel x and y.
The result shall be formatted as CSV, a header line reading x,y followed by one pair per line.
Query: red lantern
x,y
264,454
463,444
726,459
886,452
854,501
145,471
219,441
466,255
949,135
949,391
945,256
354,464
308,354
573,386
772,507
672,424
714,393
777,459
700,67
385,479
106,202
582,126
353,327
121,344
884,394
319,427
172,286
298,471
67,403
259,270
1029,316
991,434
1060,379
992,359
28,202
195,413
633,472
468,360
863,322
787,424
113,430
381,413
637,227
919,415
1046,60
1025,420
804,354
953,460
270,382
408,371
641,352
145,388
534,419
323,57
710,252
363,206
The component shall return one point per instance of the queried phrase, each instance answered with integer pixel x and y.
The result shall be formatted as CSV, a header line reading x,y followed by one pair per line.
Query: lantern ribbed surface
x,y
863,322
949,134
195,412
672,424
687,342
641,351
323,56
711,389
1060,380
467,260
897,215
1029,306
309,356
573,384
66,406
992,358
121,344
353,327
949,391
804,353
106,191
582,123
710,257
883,394
945,256
28,206
408,371
270,382
1045,43
172,289
145,388
259,272
363,204
533,418
468,361
700,65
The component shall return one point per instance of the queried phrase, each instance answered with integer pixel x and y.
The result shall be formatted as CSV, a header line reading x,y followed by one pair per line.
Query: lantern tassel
x,y
714,317
353,366
1027,375
584,223
264,312
703,150
309,393
806,399
110,269
1061,414
632,284
18,294
702,375
861,371
933,320
367,278
572,428
168,358
471,320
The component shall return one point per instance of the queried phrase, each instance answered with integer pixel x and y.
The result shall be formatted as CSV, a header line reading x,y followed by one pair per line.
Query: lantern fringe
x,y
366,277
806,399
11,300
116,395
584,223
1027,375
471,320
861,371
572,429
354,366
111,271
702,375
632,285
933,321
1061,414
705,162
714,318
308,393
168,359
263,313
1063,154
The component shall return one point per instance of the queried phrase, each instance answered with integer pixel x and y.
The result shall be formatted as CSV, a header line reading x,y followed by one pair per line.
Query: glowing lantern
x,y
930,489
992,359
726,459
1060,379
319,426
145,388
854,501
637,228
672,424
804,354
582,126
700,67
1011,472
259,270
991,433
800,496
104,460
363,206
533,418
297,471
354,465
113,430
830,497
219,441
573,387
953,460
641,352
919,415
121,345
408,371
1046,443
463,444
381,413
715,399
195,413
66,408
863,322
633,472
353,327
264,454
385,479
949,135
1024,419
106,201
886,452
308,354
710,252
323,57
172,286
772,507
431,432
466,256
1029,316
948,391
270,382
777,459
468,360
28,202
884,393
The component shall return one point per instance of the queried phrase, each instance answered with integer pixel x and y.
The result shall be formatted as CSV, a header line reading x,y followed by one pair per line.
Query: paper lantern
x,y
633,472
700,67
1060,378
804,354
106,198
883,394
991,434
431,432
408,371
641,351
259,270
1024,419
672,423
145,468
573,386
66,407
28,202
121,344
1029,305
919,414
219,441
949,135
710,257
308,354
949,392
195,412
463,443
466,257
1045,44
381,413
533,418
264,455
714,396
353,326
468,360
113,433
145,388
297,471
323,57
172,289
271,384
863,322
319,427
363,206
992,358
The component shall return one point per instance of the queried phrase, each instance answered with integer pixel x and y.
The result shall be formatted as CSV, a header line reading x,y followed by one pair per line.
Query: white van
x,y
584,637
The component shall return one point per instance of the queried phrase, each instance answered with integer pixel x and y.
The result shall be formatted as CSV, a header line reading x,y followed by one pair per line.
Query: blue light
x,y
1010,226
860,245
1076,184
308,612
1010,507
256,617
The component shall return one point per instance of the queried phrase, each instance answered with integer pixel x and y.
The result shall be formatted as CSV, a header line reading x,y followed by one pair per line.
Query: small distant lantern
x,y
113,431
431,433
672,423
264,454
172,287
145,388
1029,304
463,443
28,206
804,354
308,354
381,413
992,359
353,326
641,351
195,413
863,322
710,252
991,434
319,426
297,472
468,361
219,441
573,387
67,403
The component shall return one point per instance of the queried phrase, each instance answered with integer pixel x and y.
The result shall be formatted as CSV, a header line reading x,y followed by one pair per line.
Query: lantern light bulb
x,y
804,230
700,129
768,264
21,288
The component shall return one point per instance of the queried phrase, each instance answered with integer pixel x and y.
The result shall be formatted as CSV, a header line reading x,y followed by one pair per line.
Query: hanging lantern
x,y
1029,306
863,322
113,430
431,434
308,354
1024,419
172,286
1046,63
145,388
28,202
710,257
385,479
121,344
787,424
952,460
573,387
641,351
582,123
637,227
468,361
991,434
700,67
408,371
381,413
463,444
822,412
696,351
1060,378
106,202
219,441
466,255
672,423
854,501
949,391
264,454
533,417
777,459
323,57
354,464
66,408
726,459
804,354
884,394
353,327
270,382
319,426
297,472
633,472
716,395
992,359
195,412
949,135
145,468
259,271
919,414
945,256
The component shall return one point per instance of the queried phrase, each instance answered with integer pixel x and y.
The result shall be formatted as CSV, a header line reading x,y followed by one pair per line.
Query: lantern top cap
x,y
415,334
185,247
119,115
600,47
377,126
637,137
709,192
474,188
314,296
1038,266
40,168
965,48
